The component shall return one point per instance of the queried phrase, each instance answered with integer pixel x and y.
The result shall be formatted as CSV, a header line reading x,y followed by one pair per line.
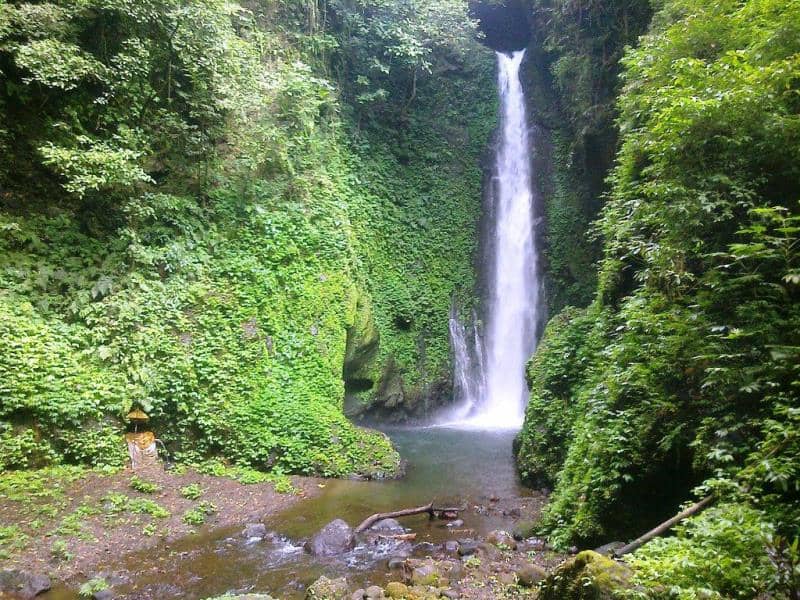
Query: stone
x,y
529,575
537,544
609,549
426,574
586,576
451,593
358,595
467,547
335,538
24,584
374,592
451,547
396,589
388,526
103,595
455,524
327,589
255,530
501,538
523,530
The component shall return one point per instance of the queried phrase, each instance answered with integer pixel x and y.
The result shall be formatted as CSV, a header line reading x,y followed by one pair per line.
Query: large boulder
x,y
587,576
18,583
327,589
335,538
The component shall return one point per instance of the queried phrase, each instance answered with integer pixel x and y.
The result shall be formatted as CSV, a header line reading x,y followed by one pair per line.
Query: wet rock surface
x,y
23,584
255,530
335,538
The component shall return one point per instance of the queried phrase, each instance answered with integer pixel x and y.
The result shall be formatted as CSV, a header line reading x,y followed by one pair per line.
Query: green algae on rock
x,y
587,576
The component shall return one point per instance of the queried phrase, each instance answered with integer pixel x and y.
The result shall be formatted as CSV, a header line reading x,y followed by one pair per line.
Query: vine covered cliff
x,y
233,216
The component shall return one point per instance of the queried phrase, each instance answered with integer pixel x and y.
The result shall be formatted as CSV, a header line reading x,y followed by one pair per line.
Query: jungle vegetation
x,y
248,217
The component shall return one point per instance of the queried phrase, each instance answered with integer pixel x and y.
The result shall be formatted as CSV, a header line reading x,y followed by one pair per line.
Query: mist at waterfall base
x,y
489,363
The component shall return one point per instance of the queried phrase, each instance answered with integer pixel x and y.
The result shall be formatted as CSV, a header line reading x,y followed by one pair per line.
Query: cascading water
x,y
468,355
512,315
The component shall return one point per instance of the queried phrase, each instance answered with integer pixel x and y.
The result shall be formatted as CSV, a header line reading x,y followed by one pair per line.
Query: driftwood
x,y
406,537
640,541
406,512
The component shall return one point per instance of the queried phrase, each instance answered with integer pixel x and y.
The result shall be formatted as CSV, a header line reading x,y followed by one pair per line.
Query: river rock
x,y
455,524
451,547
396,589
501,538
255,530
536,544
529,575
451,593
609,549
335,538
388,526
358,595
586,576
327,589
103,595
426,574
467,547
24,584
374,592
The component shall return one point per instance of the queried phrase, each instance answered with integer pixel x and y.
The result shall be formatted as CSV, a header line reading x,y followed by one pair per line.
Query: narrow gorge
x,y
400,299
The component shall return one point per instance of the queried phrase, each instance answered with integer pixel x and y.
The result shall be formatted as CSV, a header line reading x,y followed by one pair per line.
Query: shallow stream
x,y
452,467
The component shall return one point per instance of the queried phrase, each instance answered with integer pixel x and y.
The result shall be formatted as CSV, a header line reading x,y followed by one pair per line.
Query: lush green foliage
x,y
191,225
719,554
685,369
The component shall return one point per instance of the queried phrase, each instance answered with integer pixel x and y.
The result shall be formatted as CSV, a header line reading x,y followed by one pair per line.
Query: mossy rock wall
x,y
242,277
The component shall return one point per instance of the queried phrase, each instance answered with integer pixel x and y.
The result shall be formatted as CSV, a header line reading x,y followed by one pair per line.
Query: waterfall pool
x,y
461,467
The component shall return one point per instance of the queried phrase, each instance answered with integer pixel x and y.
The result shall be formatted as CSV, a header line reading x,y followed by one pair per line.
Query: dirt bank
x,y
65,522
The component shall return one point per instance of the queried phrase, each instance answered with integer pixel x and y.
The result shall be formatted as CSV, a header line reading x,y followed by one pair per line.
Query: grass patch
x,y
197,515
143,486
12,540
192,491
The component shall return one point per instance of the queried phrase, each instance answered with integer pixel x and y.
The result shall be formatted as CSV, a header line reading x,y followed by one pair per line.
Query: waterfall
x,y
514,295
467,365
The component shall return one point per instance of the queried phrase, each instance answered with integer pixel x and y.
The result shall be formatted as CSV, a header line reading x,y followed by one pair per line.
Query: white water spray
x,y
512,312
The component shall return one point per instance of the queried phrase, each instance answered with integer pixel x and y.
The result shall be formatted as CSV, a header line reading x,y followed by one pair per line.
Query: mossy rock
x,y
587,576
327,589
396,589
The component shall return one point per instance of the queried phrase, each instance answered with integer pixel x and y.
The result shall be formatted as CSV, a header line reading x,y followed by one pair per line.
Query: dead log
x,y
405,512
640,541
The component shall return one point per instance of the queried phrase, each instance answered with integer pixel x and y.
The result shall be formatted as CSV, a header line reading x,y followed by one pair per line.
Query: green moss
x,y
243,297
587,576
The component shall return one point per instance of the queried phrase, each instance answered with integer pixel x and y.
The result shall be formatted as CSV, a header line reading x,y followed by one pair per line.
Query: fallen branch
x,y
640,541
406,512
405,537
